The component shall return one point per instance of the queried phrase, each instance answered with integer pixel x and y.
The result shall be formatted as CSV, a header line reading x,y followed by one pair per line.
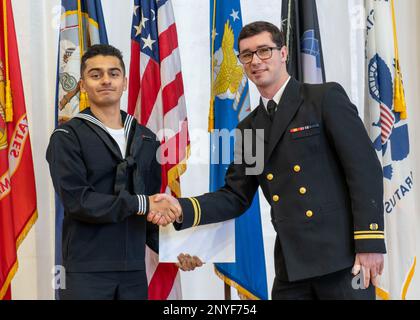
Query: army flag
x,y
18,210
303,40
230,104
82,25
386,120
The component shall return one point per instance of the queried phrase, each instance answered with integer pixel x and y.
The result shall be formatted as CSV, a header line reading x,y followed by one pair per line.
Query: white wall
x,y
36,26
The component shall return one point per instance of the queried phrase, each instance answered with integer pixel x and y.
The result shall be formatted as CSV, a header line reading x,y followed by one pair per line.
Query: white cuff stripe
x,y
142,204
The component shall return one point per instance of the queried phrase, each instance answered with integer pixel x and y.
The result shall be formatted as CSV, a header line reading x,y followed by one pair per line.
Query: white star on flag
x,y
138,29
148,42
135,10
143,20
235,15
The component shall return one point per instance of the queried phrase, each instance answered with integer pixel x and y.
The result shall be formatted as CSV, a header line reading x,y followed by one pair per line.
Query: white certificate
x,y
211,243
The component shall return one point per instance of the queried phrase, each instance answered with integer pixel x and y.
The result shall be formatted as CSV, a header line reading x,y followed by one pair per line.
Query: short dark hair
x,y
257,27
101,50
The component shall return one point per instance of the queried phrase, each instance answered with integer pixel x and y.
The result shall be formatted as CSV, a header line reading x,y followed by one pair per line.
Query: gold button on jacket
x,y
296,168
270,177
309,213
276,198
302,190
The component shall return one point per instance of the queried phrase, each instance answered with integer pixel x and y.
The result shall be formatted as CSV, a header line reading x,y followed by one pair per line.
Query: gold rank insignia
x,y
369,234
197,211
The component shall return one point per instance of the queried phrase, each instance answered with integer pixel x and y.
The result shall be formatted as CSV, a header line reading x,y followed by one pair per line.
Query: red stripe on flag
x,y
162,281
149,89
171,93
386,126
134,83
168,41
386,113
386,119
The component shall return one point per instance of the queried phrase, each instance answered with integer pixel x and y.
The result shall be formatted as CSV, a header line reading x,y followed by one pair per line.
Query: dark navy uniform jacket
x,y
321,176
103,191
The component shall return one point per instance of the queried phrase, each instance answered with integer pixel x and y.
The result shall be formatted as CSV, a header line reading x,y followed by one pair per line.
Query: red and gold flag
x,y
17,183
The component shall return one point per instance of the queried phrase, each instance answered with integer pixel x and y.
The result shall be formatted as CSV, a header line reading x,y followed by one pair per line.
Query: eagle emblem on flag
x,y
229,72
393,137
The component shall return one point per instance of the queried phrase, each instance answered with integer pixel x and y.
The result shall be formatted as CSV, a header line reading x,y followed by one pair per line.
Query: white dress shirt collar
x,y
277,96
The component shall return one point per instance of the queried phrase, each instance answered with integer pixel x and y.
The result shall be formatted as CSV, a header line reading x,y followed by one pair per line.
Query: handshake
x,y
163,209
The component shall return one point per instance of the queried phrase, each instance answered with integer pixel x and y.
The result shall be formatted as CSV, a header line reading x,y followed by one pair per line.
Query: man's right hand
x,y
188,263
163,210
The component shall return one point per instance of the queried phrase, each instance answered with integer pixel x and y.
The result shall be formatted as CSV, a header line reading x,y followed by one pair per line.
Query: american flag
x,y
156,99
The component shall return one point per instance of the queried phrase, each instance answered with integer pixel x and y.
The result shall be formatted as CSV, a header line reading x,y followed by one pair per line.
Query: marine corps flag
x,y
300,25
387,123
17,183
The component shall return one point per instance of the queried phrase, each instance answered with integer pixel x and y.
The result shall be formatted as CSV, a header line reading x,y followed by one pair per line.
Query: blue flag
x,y
230,104
82,25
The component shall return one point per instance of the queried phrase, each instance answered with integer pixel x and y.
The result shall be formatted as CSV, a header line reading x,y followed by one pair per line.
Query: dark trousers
x,y
121,285
341,285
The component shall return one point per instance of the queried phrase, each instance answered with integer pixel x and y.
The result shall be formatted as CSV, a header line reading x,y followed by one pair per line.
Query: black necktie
x,y
271,109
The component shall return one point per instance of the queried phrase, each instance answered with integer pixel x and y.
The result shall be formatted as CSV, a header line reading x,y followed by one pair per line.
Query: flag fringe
x,y
381,293
384,295
230,282
9,278
19,240
176,172
409,278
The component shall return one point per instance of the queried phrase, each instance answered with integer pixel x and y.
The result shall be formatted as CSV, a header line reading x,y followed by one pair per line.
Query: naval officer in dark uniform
x,y
320,174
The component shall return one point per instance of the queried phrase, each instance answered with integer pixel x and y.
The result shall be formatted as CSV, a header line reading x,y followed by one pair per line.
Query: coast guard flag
x,y
82,25
17,181
303,40
387,123
230,104
156,98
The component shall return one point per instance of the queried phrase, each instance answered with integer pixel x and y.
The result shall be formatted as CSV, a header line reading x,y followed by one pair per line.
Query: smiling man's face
x,y
104,81
264,73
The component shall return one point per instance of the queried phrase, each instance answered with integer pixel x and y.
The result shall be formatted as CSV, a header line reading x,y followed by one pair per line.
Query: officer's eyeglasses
x,y
262,53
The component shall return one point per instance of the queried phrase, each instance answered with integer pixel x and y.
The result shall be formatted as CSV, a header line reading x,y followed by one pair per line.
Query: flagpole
x,y
83,103
227,292
80,23
213,37
8,95
399,99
